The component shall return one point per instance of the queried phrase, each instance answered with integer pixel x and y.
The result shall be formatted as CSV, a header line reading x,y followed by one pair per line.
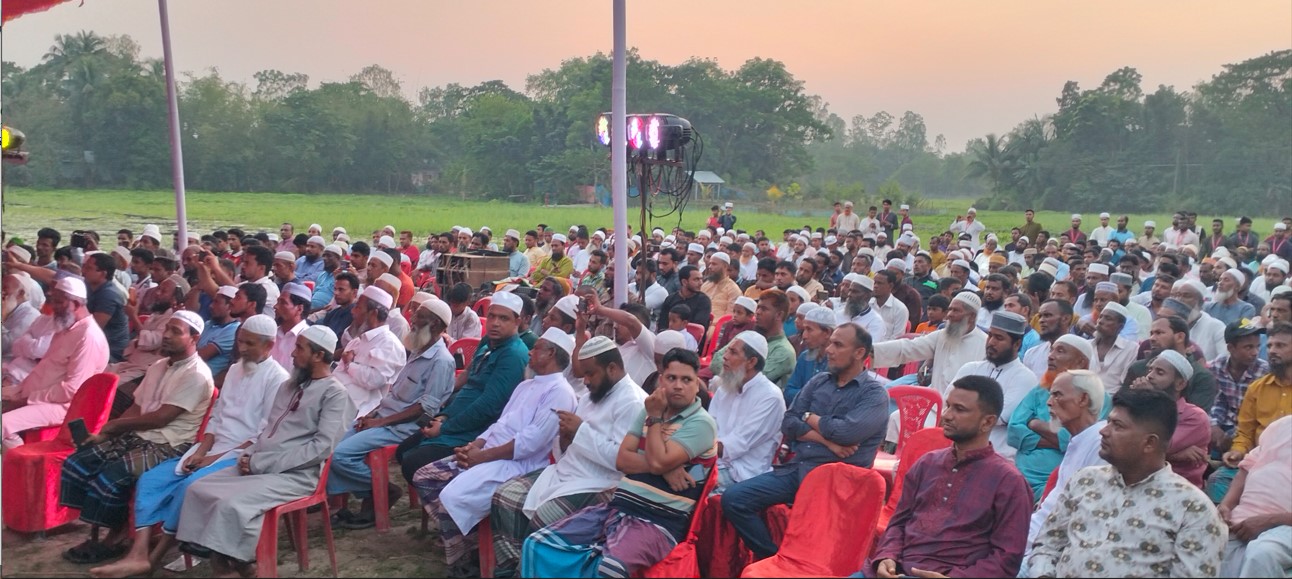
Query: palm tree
x,y
989,160
70,48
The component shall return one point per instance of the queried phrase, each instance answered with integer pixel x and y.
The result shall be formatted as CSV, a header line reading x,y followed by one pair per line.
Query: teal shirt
x,y
495,371
781,360
1036,464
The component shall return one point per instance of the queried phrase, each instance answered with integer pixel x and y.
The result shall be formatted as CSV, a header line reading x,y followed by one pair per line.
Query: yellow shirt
x,y
1266,400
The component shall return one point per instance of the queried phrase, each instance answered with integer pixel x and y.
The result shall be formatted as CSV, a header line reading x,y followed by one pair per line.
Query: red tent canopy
x,y
16,8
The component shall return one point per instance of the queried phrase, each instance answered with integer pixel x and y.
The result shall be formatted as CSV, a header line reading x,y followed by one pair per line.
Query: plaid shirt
x,y
1225,412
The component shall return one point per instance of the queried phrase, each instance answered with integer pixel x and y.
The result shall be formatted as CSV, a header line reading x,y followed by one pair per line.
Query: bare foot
x,y
124,568
248,570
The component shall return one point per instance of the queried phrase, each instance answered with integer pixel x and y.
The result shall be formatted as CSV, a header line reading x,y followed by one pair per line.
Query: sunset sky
x,y
969,68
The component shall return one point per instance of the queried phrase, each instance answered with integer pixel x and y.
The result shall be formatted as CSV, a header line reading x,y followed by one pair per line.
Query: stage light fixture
x,y
635,138
648,132
653,133
603,130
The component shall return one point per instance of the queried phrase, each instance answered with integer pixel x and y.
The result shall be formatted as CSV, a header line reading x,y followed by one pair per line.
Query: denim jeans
x,y
744,503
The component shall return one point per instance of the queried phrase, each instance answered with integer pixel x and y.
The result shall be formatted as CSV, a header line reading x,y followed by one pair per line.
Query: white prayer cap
x,y
704,233
822,316
152,232
817,235
1279,264
596,346
72,286
574,228
748,303
560,339
321,336
384,258
1104,216
969,299
227,291
868,252
726,240
440,308
992,237
1236,273
560,238
657,231
1079,344
1049,268
804,308
1150,223
665,341
1076,216
569,305
391,279
507,300
419,297
727,205
390,228
599,233
1118,309
193,320
261,325
386,241
338,230
512,233
750,246
897,264
722,256
962,263
298,290
21,254
1280,290
831,240
272,237
670,237
403,258
864,281
695,248
852,277
457,229
666,245
847,203
800,292
906,226
905,206
823,251
1177,361
906,239
1229,261
805,233
285,256
120,251
315,226
317,240
972,211
485,228
754,340
1280,226
378,295
1099,268
334,249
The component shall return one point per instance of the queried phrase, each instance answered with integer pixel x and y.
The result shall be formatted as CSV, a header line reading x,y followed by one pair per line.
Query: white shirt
x,y
27,350
530,422
639,355
427,259
1037,359
1100,235
242,410
870,225
378,356
1083,451
870,321
271,298
1112,369
1209,334
655,296
749,427
397,323
581,260
465,325
973,229
895,316
1016,380
588,464
948,354
285,342
16,324
1143,318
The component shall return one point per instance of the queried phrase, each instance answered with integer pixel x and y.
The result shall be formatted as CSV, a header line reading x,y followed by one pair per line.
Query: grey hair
x,y
1090,383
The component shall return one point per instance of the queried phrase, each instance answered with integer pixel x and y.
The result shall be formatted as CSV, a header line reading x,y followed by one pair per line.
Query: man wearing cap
x,y
141,352
77,349
769,320
222,513
310,264
1205,331
635,342
457,490
289,312
969,225
1040,443
482,390
857,307
325,280
957,343
23,299
1169,372
420,388
748,409
1001,364
216,344
848,220
240,415
727,220
585,472
1226,304
162,423
1234,372
1148,240
284,268
1113,353
556,264
1275,275
517,262
1171,333
1102,233
718,286
373,355
818,324
1074,232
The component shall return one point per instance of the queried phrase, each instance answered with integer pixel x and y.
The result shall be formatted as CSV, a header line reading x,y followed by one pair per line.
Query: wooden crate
x,y
455,268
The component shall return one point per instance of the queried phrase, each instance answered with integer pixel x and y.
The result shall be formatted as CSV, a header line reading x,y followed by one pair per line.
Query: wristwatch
x,y
652,421
806,415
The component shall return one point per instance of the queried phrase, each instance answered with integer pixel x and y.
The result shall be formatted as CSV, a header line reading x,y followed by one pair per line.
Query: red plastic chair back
x,y
832,525
308,284
467,347
1049,483
914,405
682,560
201,430
267,546
697,331
31,472
920,443
713,340
481,308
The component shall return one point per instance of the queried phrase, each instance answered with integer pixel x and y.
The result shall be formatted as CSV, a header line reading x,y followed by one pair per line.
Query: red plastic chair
x,y
914,404
379,462
31,472
308,284
696,331
832,526
267,547
1049,483
466,347
481,307
919,444
710,347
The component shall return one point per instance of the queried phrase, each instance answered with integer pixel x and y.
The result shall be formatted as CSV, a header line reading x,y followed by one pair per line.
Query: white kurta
x,y
749,427
1083,451
285,342
895,316
588,464
1143,319
1112,369
870,321
242,410
639,355
1037,359
29,348
530,421
948,354
378,356
1016,380
1209,334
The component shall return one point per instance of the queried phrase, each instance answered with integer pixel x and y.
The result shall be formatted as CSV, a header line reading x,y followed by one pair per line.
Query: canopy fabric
x,y
15,8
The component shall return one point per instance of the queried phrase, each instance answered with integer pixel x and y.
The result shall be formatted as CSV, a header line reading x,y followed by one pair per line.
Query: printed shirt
x,y
1162,526
1224,413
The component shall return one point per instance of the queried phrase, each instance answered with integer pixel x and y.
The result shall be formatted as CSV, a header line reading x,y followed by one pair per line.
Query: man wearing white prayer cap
x,y
310,264
1172,373
290,312
519,441
284,268
1275,274
1227,304
556,264
814,334
957,343
1112,353
748,408
374,353
1102,233
1170,334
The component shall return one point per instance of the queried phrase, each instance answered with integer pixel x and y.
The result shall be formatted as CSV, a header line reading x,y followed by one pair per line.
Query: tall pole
x,y
619,155
176,150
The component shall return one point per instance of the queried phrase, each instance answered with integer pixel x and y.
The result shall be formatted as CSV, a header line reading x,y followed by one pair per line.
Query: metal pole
x,y
619,155
176,150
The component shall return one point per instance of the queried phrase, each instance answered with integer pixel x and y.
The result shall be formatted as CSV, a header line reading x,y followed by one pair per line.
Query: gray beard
x,y
854,309
957,329
418,340
732,380
1222,297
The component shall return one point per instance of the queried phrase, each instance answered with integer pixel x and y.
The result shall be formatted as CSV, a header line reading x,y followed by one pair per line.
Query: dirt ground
x,y
403,552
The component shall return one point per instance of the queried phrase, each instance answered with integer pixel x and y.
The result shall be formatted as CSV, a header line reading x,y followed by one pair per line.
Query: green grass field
x,y
26,210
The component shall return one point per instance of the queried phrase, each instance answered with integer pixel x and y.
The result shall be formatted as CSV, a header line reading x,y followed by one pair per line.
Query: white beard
x,y
418,339
1222,296
10,303
956,329
732,380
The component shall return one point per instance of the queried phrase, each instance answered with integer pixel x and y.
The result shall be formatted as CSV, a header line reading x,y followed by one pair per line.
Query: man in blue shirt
x,y
215,345
310,264
818,323
517,263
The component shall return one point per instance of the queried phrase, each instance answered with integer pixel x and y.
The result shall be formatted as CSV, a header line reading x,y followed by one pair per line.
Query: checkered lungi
x,y
429,481
99,479
511,526
598,541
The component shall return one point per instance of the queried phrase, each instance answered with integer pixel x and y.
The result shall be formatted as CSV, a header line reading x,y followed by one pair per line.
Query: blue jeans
x,y
743,505
159,494
350,472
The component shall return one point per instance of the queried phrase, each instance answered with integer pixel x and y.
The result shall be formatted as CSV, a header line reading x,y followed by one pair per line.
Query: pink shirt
x,y
74,355
1268,490
1192,428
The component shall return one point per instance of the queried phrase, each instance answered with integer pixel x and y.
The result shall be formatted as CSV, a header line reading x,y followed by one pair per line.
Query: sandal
x,y
359,522
91,552
195,550
340,517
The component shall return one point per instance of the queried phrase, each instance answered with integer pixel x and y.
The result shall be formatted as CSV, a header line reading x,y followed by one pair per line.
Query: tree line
x,y
94,114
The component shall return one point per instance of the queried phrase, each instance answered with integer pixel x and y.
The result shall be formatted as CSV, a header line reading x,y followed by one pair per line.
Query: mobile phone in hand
x,y
79,432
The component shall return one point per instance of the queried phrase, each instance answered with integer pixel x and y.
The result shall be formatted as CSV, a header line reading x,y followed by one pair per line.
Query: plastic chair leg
x,y
327,537
485,532
300,536
267,547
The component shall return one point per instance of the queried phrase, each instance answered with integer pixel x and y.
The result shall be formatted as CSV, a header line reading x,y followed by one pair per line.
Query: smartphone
x,y
79,432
